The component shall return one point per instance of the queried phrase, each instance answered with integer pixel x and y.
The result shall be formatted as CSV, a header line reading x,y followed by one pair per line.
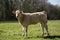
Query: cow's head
x,y
18,13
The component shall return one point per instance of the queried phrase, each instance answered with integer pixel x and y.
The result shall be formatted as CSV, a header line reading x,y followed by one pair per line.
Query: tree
x,y
33,5
2,10
7,6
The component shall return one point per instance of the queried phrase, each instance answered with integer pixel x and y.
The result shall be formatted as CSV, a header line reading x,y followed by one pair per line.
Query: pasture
x,y
11,30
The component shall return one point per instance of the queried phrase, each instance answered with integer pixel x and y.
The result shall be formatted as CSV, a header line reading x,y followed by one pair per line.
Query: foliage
x,y
7,6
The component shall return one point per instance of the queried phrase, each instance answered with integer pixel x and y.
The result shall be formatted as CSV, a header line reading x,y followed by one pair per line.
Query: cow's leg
x,y
46,27
42,25
24,29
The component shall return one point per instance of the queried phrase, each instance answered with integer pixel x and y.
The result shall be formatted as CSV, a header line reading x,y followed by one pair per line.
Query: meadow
x,y
11,30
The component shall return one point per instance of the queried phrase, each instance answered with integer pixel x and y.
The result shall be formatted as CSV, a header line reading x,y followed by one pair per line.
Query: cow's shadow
x,y
52,36
45,37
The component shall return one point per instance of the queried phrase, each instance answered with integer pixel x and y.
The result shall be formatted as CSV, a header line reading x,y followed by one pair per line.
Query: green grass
x,y
11,30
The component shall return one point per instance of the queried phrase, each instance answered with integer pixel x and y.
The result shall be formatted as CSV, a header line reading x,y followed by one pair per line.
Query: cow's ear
x,y
21,11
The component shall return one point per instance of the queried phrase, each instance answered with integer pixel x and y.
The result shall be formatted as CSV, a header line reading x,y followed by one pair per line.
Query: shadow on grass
x,y
52,37
45,37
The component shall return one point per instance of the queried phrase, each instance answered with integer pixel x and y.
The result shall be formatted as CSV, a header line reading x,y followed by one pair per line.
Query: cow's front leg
x,y
24,29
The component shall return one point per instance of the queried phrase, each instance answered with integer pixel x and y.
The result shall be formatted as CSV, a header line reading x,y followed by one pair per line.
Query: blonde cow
x,y
32,18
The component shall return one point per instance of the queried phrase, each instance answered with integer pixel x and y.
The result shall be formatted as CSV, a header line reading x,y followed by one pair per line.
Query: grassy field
x,y
11,30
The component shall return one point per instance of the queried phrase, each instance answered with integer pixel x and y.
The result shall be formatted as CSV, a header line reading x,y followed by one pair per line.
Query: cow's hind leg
x,y
42,25
46,27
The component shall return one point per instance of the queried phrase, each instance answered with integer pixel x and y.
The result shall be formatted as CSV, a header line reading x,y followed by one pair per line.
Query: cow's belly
x,y
34,20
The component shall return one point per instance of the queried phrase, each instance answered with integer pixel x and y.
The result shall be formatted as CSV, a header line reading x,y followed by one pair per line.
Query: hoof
x,y
42,35
48,34
23,35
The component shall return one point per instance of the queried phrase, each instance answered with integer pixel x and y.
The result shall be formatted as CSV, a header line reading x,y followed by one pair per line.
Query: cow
x,y
26,19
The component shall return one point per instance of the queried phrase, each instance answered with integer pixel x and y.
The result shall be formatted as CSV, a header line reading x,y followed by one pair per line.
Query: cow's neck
x,y
20,19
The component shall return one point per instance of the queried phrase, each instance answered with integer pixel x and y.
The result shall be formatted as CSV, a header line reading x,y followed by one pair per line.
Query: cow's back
x,y
33,18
